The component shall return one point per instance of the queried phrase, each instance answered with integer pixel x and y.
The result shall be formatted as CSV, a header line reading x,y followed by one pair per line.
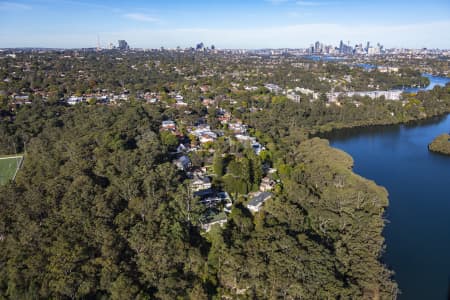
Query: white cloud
x,y
141,17
14,6
276,2
297,15
78,3
309,3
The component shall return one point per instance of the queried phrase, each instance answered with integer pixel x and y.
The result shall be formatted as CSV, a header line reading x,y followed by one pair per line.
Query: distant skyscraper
x,y
200,46
317,47
99,47
123,45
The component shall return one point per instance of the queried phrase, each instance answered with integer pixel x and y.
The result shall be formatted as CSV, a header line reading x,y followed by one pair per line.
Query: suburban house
x,y
257,148
214,219
273,88
75,100
224,117
183,163
245,138
267,184
294,97
182,148
207,136
204,134
211,201
257,201
180,103
200,182
208,102
237,128
168,125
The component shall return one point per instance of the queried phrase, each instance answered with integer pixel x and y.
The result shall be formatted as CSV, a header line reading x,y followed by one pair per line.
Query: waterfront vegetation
x,y
319,117
441,144
99,209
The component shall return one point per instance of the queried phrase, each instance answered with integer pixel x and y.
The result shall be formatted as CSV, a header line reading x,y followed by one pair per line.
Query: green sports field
x,y
8,168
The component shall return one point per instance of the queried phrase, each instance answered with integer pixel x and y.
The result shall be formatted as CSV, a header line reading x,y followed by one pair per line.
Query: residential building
x,y
258,200
213,218
273,88
183,163
294,97
75,100
168,125
267,184
123,45
200,182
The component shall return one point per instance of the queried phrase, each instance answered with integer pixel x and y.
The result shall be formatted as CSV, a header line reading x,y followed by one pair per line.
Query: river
x,y
434,81
418,232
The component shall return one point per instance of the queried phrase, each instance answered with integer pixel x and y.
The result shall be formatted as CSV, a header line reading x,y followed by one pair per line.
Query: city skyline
x,y
232,24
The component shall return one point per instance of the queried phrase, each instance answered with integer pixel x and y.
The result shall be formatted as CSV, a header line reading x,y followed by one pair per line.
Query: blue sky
x,y
226,24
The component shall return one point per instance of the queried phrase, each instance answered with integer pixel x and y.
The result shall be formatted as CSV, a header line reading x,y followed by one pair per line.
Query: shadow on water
x,y
351,133
426,122
448,289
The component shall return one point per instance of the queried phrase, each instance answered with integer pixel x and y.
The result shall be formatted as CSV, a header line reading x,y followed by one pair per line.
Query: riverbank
x,y
331,128
441,144
396,158
419,103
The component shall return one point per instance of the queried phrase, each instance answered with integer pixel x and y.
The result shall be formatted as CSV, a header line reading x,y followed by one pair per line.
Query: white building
x,y
75,100
258,200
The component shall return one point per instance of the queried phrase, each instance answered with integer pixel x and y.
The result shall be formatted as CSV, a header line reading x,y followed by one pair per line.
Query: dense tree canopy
x,y
99,210
441,144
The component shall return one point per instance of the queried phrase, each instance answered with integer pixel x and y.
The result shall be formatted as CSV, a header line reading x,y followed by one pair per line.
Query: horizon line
x,y
193,47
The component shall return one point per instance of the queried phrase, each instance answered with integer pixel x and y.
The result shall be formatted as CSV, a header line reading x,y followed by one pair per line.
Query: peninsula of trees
x,y
441,144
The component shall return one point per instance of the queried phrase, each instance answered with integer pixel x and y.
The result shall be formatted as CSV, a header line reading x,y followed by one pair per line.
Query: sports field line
x,y
19,164
9,157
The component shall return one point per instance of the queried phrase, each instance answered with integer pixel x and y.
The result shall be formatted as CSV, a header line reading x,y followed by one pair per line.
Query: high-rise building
x,y
317,47
200,46
123,45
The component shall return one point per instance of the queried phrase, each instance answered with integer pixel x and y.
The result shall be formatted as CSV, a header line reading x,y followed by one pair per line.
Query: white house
x,y
74,100
207,136
168,125
200,182
257,201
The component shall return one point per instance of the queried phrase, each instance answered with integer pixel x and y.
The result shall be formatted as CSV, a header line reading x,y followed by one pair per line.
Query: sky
x,y
249,24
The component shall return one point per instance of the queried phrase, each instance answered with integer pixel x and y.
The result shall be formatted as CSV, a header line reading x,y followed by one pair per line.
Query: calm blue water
x,y
434,81
418,181
367,66
324,58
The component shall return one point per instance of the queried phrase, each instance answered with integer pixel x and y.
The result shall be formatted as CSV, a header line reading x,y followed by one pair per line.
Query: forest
x,y
98,211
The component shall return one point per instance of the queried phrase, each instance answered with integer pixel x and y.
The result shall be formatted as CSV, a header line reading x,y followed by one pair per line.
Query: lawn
x,y
8,168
